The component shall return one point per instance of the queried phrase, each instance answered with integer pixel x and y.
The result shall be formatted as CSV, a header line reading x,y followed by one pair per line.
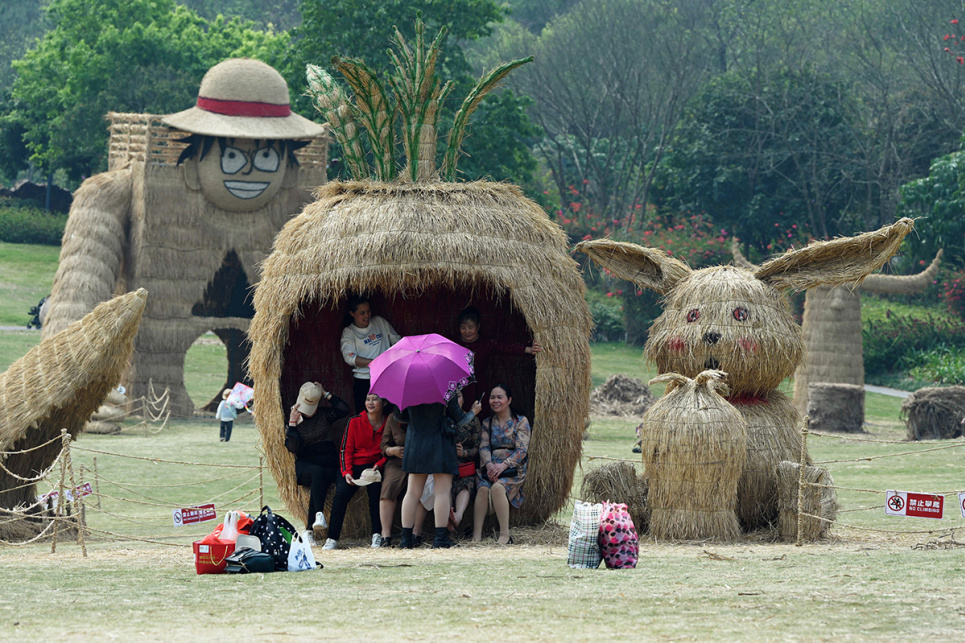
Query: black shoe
x,y
407,541
386,541
417,541
442,540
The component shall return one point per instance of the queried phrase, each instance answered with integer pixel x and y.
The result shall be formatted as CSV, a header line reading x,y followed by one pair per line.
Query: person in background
x,y
311,437
483,349
227,413
467,452
361,462
366,336
503,446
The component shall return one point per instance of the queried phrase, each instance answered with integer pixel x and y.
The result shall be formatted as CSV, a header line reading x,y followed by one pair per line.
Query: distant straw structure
x,y
58,384
934,413
694,451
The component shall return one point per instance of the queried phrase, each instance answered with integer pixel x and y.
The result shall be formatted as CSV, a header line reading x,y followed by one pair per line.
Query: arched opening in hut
x,y
313,353
228,294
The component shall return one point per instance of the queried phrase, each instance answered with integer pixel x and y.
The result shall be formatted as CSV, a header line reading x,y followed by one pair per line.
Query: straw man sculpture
x,y
738,321
187,210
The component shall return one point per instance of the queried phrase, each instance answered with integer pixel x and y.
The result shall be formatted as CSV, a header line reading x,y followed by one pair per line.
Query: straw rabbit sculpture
x,y
738,321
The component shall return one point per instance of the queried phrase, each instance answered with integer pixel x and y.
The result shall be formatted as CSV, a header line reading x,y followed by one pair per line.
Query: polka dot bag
x,y
617,539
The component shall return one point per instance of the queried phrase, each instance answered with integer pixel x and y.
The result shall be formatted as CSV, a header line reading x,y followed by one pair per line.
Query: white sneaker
x,y
376,541
309,537
320,522
330,544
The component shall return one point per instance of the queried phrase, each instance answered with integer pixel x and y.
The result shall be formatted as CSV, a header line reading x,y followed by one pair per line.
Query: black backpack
x,y
275,534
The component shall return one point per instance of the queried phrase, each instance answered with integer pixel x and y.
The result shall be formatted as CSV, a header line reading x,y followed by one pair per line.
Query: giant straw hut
x,y
422,249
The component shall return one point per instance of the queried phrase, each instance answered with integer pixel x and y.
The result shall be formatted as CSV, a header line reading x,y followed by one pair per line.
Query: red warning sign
x,y
914,505
194,515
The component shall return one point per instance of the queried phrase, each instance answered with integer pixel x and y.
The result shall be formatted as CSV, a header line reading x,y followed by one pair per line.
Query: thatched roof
x,y
423,251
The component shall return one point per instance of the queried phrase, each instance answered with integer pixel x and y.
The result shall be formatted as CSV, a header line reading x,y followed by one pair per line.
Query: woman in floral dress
x,y
503,444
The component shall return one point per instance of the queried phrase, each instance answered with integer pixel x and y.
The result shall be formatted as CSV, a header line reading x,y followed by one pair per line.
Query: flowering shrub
x,y
953,293
898,342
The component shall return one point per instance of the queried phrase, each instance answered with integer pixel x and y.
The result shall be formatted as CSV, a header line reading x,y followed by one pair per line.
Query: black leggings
x,y
343,495
318,479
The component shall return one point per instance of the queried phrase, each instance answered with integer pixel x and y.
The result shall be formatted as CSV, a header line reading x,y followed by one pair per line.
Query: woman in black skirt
x,y
430,448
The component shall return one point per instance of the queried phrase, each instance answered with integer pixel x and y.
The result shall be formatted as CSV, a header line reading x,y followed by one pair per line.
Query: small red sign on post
x,y
915,505
194,515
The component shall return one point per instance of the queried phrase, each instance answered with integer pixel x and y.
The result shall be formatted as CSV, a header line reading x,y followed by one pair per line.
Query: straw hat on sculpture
x,y
737,321
187,210
422,248
57,385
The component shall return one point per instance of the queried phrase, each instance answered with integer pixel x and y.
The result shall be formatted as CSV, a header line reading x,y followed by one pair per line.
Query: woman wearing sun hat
x,y
311,437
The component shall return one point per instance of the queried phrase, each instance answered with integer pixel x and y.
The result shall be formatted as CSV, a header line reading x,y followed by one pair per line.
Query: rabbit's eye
x,y
693,315
740,314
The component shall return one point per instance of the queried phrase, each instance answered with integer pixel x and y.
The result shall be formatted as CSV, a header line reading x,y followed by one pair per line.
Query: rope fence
x,y
92,501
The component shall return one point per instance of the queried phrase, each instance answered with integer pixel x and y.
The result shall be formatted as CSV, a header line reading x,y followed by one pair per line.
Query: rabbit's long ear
x,y
646,267
840,261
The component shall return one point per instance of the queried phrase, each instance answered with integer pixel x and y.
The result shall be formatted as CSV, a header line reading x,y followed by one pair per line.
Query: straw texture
x,y
142,227
59,384
618,482
694,448
422,252
816,501
934,413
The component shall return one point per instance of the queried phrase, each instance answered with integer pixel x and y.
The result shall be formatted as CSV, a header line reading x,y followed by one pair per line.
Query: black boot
x,y
407,541
441,540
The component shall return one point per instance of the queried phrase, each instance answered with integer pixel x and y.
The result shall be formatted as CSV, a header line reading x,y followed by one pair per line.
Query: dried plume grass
x,y
694,450
59,383
404,243
619,482
934,413
816,501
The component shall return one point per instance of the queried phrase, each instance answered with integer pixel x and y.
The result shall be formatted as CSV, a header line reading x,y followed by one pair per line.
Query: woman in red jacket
x,y
361,461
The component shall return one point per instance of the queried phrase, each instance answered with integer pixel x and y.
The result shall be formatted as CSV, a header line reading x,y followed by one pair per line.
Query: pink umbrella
x,y
421,369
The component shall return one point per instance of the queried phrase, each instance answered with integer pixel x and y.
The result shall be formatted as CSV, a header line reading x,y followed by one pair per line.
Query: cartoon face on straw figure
x,y
738,321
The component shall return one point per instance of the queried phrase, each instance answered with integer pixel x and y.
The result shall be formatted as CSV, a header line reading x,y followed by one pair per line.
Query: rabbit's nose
x,y
711,337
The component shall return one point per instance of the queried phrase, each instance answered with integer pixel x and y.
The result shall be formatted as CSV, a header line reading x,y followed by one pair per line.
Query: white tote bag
x,y
300,556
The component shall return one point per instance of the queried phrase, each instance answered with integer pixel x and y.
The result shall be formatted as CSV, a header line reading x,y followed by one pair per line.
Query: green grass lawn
x,y
26,275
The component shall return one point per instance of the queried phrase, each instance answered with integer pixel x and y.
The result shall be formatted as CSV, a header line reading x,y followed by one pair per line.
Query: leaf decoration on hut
x,y
419,94
330,101
486,84
374,112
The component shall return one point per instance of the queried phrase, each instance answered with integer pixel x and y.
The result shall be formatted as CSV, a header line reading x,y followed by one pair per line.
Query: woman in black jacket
x,y
312,438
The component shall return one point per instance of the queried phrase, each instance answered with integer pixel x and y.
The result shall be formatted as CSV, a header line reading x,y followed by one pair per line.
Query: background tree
x,y
118,55
609,83
501,134
280,14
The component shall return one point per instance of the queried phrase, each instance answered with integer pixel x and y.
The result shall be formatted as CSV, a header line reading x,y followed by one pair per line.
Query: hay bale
x,y
934,413
694,448
816,501
99,427
619,482
622,396
108,413
836,407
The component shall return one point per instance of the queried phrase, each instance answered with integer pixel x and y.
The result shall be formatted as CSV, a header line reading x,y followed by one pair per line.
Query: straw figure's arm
x,y
92,249
902,284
